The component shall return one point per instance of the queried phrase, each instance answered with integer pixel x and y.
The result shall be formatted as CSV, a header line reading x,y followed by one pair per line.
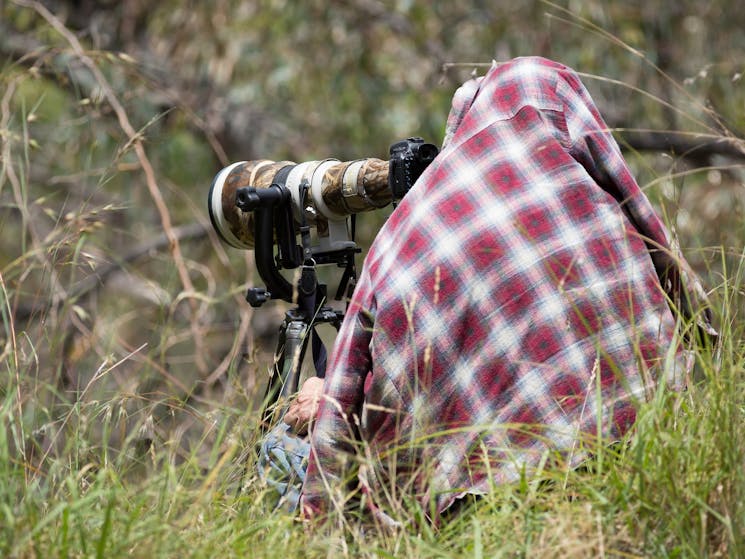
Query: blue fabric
x,y
283,460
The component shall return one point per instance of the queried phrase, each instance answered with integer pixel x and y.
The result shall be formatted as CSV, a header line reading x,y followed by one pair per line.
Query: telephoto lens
x,y
323,192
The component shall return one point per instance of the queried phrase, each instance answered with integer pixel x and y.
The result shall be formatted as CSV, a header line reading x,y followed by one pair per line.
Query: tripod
x,y
297,330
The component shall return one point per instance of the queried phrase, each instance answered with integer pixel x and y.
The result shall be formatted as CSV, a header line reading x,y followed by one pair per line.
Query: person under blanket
x,y
523,295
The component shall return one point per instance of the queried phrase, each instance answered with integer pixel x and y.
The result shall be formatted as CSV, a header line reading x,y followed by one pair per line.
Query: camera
x,y
265,204
409,159
321,193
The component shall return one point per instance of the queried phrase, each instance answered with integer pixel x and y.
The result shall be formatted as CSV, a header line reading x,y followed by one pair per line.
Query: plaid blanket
x,y
515,306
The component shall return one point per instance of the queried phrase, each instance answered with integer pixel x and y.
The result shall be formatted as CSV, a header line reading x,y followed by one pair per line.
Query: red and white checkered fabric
x,y
508,308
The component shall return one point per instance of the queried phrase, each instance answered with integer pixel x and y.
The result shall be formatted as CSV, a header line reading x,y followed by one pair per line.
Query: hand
x,y
304,408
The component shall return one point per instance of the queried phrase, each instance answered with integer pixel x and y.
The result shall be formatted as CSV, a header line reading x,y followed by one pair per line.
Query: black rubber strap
x,y
319,354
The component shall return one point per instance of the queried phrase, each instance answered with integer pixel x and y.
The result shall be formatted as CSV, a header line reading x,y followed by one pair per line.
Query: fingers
x,y
298,418
304,408
296,423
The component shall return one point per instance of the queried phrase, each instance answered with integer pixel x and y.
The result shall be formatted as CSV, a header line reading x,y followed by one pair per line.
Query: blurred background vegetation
x,y
116,114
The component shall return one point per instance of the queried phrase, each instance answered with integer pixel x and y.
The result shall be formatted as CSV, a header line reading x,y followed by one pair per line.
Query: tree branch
x,y
98,278
697,151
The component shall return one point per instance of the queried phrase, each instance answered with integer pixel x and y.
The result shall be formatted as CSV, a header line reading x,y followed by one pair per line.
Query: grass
x,y
113,444
106,486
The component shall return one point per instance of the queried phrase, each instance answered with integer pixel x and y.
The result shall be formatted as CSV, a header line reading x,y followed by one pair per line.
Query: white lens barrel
x,y
351,180
316,190
293,182
336,190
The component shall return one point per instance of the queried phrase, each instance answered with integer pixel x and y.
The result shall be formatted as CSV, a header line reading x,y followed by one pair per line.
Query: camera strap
x,y
310,296
310,299
319,353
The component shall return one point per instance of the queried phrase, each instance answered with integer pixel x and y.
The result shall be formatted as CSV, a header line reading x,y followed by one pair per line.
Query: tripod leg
x,y
295,345
282,456
291,346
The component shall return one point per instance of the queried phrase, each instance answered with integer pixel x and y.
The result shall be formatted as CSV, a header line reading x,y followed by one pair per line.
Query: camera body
x,y
409,159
